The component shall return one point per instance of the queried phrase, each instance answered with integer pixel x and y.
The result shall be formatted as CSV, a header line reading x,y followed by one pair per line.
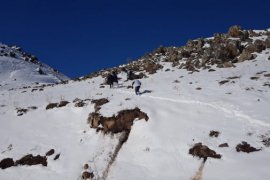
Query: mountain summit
x,y
18,69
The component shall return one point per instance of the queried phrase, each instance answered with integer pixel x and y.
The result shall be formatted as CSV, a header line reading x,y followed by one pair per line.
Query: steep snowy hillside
x,y
192,121
18,69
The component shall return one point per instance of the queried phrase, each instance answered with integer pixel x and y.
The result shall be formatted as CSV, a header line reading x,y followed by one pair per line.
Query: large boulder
x,y
235,31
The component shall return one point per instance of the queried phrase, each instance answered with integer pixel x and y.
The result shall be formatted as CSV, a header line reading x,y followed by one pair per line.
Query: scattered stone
x,y
85,166
56,156
224,145
32,160
211,70
50,152
101,86
63,103
214,133
51,106
203,151
223,82
87,175
98,103
234,77
176,81
245,147
6,163
267,75
127,99
80,104
265,140
261,72
198,88
21,111
254,78
266,84
34,90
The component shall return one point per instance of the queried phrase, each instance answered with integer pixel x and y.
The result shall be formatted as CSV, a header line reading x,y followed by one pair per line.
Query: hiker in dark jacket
x,y
109,80
137,84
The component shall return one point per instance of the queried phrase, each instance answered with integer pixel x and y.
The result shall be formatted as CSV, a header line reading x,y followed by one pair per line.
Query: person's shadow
x,y
146,91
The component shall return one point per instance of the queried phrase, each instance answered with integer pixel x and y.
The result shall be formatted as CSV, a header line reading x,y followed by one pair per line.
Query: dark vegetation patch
x,y
57,105
267,75
223,82
245,147
223,145
115,124
99,102
214,133
203,151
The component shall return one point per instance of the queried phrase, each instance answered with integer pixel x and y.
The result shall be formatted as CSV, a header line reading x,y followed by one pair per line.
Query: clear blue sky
x,y
80,36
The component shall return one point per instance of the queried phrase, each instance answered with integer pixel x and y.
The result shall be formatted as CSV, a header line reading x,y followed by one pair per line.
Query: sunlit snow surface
x,y
180,115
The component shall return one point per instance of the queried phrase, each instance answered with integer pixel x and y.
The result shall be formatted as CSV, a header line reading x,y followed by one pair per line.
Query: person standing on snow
x,y
137,84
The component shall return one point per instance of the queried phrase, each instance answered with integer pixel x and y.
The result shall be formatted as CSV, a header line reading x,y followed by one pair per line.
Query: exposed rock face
x,y
222,50
99,102
32,160
245,147
203,151
6,163
115,124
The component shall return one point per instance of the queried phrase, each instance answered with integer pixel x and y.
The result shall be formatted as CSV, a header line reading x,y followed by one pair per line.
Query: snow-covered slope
x,y
18,69
182,107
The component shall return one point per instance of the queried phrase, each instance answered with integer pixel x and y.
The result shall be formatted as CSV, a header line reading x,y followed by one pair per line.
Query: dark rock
x,y
21,111
211,70
224,145
260,45
63,103
56,156
245,147
223,82
32,160
235,31
203,151
115,124
6,163
99,102
51,105
50,152
214,133
87,175
86,166
254,78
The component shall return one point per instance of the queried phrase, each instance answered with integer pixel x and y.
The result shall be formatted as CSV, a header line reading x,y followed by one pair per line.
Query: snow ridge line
x,y
235,113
